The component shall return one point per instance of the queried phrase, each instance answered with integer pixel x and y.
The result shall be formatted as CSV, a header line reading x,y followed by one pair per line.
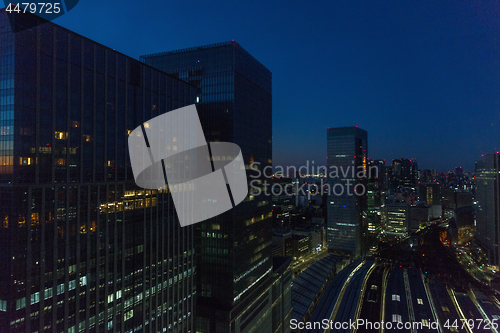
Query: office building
x,y
347,154
404,173
234,96
282,294
375,184
487,183
282,204
430,193
82,248
397,219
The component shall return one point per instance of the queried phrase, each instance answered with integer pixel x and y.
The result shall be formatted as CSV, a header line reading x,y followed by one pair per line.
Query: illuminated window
x,y
129,131
216,226
111,207
111,163
61,135
139,203
419,301
92,226
21,220
75,124
35,218
129,204
5,222
25,160
396,318
44,150
128,315
60,161
87,138
3,306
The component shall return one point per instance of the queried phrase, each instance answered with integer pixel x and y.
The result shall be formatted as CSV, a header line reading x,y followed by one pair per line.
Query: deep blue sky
x,y
422,77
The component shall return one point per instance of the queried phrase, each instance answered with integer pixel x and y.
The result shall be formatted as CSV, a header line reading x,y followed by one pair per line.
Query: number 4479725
x,y
34,8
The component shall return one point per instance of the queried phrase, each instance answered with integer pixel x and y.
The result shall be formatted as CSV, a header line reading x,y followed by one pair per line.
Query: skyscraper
x,y
430,193
234,264
347,151
404,172
82,248
487,182
374,188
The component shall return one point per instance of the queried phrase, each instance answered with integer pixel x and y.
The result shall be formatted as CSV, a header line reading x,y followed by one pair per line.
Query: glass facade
x,y
234,96
6,98
82,248
347,153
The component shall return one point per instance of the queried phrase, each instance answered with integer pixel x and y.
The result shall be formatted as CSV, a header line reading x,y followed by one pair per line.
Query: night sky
x,y
422,77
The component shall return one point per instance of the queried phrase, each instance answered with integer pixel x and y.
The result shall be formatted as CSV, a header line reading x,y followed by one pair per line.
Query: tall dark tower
x,y
347,152
487,183
404,173
82,247
234,98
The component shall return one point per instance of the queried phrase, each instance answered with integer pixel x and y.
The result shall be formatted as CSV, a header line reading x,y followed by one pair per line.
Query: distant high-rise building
x,y
347,151
282,204
448,197
487,182
459,171
404,173
397,219
463,199
234,95
374,187
426,176
82,247
430,193
388,176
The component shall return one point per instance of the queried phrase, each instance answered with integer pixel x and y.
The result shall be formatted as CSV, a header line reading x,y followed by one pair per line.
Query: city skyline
x,y
98,237
420,82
